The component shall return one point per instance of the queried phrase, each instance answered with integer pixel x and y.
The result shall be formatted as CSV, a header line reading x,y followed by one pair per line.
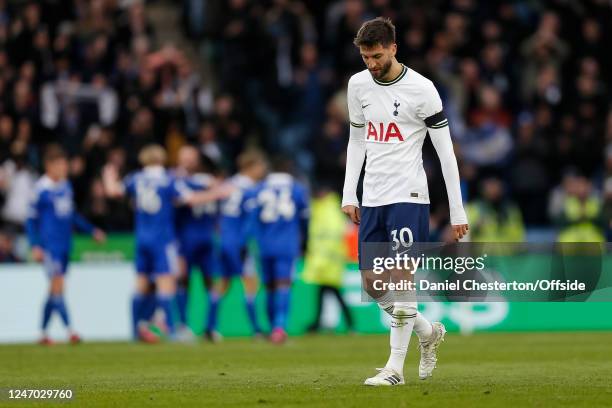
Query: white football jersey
x,y
395,116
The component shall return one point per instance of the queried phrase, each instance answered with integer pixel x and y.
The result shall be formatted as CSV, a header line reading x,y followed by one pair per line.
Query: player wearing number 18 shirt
x,y
392,108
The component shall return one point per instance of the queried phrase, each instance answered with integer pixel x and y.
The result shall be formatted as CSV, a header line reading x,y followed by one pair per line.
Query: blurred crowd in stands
x,y
526,86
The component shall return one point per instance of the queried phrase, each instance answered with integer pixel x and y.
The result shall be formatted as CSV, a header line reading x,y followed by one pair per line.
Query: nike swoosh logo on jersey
x,y
365,106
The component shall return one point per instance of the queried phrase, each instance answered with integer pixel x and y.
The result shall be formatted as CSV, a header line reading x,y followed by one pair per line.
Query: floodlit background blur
x,y
526,86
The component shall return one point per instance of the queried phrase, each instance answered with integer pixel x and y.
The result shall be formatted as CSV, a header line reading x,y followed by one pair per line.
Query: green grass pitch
x,y
517,370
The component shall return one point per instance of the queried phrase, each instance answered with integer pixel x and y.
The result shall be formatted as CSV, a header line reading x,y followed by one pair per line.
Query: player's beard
x,y
383,71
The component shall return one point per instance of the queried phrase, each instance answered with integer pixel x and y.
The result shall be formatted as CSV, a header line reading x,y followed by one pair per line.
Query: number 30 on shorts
x,y
403,238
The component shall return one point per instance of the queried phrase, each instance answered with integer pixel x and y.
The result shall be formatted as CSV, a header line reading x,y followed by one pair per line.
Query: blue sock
x,y
281,307
47,311
270,309
165,303
60,306
250,307
181,304
213,305
137,310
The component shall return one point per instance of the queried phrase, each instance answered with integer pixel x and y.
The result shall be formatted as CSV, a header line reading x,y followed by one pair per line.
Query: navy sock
x,y
281,307
149,306
181,304
165,303
60,306
213,306
270,308
250,307
137,311
47,311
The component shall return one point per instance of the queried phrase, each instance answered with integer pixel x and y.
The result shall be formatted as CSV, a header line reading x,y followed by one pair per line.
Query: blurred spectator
x,y
529,173
17,181
207,141
140,134
285,24
70,107
331,150
96,146
229,127
6,136
7,252
343,23
241,40
543,50
488,142
559,195
493,217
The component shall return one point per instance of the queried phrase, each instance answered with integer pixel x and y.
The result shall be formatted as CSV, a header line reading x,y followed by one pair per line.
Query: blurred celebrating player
x,y
195,228
49,227
279,213
156,192
391,109
233,245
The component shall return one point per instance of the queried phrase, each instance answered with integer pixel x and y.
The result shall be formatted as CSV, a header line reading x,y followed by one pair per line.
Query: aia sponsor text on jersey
x,y
384,133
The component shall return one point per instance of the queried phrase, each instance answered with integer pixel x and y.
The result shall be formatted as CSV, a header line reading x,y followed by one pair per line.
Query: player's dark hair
x,y
54,152
205,164
282,164
377,31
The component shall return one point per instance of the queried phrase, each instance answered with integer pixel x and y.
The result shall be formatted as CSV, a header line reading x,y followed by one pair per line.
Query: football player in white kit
x,y
391,109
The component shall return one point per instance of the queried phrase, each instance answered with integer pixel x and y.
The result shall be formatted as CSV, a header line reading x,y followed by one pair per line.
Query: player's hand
x,y
353,212
38,255
459,231
99,236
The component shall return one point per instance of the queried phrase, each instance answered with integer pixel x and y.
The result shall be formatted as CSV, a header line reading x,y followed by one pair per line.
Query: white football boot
x,y
429,350
385,377
184,334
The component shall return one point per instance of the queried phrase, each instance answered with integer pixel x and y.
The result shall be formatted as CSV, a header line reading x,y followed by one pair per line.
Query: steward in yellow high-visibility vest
x,y
325,261
581,218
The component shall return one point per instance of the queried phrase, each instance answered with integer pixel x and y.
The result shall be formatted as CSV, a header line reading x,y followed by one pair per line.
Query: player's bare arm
x,y
218,192
110,179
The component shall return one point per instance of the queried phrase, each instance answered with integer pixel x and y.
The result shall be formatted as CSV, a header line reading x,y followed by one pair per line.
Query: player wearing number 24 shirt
x,y
392,109
278,208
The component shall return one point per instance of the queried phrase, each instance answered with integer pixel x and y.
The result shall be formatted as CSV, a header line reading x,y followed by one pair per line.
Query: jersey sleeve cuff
x,y
350,201
357,125
458,216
